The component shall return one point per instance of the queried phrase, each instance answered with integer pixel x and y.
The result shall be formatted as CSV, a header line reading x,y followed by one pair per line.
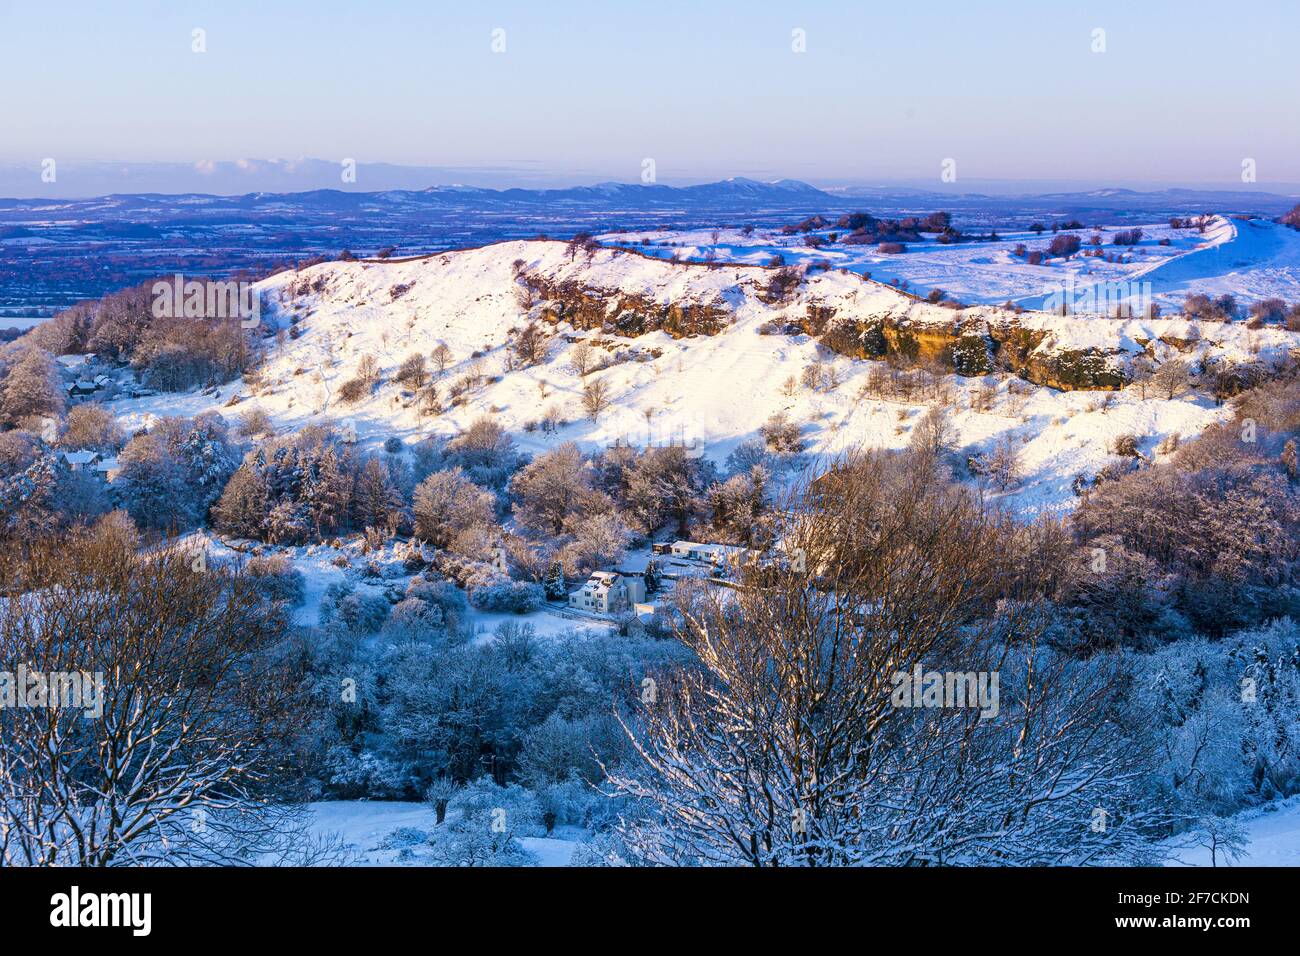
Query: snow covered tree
x,y
653,576
376,502
556,589
599,541
446,504
738,505
439,794
31,386
242,508
154,489
486,828
29,499
1225,838
554,486
666,484
787,745
193,708
91,426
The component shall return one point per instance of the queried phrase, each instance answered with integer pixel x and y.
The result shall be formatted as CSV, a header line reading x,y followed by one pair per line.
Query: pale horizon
x,y
1112,94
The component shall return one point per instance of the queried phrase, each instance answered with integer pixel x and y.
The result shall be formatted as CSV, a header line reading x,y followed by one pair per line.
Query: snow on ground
x,y
710,391
1272,835
364,825
1252,260
1272,838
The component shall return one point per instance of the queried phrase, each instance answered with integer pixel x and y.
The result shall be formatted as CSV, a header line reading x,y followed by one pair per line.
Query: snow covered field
x,y
1252,260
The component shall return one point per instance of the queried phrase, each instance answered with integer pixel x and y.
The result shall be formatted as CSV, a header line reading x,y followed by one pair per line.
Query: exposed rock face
x,y
623,313
975,346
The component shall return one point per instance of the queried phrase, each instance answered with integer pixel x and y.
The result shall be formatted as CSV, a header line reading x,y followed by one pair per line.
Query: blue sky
x,y
585,91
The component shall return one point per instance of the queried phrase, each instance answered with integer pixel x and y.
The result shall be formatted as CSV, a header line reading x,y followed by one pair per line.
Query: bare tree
x,y
582,358
1171,378
413,371
368,369
789,744
182,709
441,357
1140,371
530,345
595,398
933,434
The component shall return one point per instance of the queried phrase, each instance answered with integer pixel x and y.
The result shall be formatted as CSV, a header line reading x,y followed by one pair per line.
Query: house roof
x,y
80,457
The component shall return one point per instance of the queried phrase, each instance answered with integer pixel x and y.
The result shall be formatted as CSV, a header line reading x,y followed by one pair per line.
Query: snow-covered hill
x,y
715,390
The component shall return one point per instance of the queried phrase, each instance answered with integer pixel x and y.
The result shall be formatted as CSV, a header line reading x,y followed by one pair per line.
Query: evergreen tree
x,y
556,589
376,501
653,577
242,509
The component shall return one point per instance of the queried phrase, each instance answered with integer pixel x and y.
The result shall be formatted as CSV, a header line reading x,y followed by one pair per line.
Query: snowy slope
x,y
712,390
1272,838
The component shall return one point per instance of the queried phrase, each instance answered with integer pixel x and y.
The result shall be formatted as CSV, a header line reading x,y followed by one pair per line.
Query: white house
x,y
608,591
717,555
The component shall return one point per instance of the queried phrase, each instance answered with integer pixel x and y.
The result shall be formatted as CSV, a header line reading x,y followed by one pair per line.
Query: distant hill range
x,y
57,251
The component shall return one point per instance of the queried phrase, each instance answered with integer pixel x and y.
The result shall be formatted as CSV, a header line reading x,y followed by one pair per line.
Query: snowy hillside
x,y
713,391
1251,259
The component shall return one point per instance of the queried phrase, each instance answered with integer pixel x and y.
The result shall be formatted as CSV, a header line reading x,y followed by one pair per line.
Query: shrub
x,y
1268,310
782,436
353,390
360,611
497,592
277,578
1063,245
254,421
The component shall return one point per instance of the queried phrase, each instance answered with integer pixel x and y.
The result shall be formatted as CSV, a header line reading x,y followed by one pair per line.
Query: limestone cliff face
x,y
968,344
623,313
977,346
